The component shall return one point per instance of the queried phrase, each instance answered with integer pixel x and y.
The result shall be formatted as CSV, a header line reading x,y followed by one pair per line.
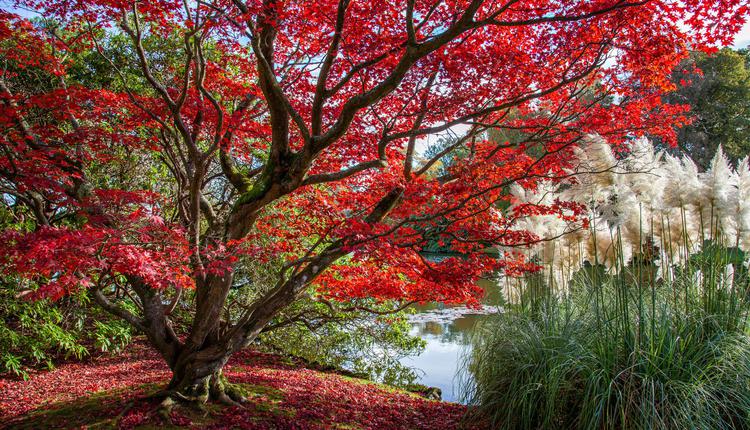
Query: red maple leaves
x,y
363,80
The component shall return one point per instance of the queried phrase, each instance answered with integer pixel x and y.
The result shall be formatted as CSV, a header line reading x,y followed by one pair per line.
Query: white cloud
x,y
742,39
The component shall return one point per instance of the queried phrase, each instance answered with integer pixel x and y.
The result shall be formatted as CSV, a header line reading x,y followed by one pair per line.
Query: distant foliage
x,y
717,88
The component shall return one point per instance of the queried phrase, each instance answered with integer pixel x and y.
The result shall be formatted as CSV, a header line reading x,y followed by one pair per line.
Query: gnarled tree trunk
x,y
200,380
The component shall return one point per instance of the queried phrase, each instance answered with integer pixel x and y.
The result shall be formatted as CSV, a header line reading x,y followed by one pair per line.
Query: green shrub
x,y
362,342
36,333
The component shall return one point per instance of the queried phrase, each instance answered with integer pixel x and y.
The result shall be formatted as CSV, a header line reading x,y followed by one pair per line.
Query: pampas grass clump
x,y
639,321
656,206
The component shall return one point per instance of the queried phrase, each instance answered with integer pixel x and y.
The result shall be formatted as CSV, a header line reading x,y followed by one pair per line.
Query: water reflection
x,y
438,365
447,332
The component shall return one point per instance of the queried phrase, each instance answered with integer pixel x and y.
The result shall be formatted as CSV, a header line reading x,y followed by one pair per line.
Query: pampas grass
x,y
658,206
640,321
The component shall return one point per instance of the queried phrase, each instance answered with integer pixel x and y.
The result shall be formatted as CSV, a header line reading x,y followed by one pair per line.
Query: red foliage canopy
x,y
309,113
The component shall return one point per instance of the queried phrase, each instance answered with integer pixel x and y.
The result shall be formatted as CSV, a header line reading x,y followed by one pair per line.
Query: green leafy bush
x,y
38,332
345,336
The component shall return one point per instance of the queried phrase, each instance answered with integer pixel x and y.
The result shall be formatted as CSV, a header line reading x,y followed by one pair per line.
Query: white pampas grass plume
x,y
643,202
741,216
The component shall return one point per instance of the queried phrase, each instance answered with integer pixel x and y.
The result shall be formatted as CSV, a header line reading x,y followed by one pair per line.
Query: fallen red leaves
x,y
324,400
139,365
280,396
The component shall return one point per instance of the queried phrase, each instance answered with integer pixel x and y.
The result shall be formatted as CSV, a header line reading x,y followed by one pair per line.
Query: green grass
x,y
621,351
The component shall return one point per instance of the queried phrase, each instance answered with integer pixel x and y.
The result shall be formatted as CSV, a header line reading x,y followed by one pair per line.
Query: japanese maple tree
x,y
292,133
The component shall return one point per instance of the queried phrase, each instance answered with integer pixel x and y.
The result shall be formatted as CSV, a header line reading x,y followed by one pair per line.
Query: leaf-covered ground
x,y
112,392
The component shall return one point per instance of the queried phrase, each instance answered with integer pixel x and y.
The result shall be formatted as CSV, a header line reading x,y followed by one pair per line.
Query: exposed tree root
x,y
124,411
199,393
165,408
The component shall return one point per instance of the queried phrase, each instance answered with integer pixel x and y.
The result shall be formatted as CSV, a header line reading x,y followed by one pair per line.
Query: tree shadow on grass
x,y
100,410
137,407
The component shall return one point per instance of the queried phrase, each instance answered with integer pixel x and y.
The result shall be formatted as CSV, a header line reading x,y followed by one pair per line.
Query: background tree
x,y
283,134
717,88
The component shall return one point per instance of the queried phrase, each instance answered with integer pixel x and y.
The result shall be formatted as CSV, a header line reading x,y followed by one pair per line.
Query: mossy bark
x,y
196,387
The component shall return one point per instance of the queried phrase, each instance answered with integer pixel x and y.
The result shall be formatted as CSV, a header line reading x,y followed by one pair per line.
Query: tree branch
x,y
342,174
112,308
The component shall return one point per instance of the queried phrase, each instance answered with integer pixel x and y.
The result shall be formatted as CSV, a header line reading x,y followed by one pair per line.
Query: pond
x,y
447,331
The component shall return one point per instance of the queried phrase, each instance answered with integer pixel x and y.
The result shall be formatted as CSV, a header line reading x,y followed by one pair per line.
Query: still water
x,y
447,332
